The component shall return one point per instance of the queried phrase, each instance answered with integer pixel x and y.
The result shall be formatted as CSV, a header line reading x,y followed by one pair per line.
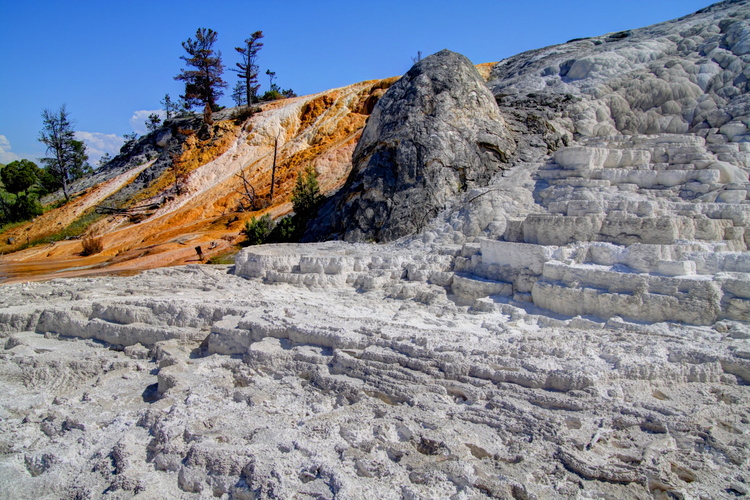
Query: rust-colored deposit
x,y
205,209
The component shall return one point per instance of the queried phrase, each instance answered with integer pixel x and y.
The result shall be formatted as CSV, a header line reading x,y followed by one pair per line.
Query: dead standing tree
x,y
248,198
273,167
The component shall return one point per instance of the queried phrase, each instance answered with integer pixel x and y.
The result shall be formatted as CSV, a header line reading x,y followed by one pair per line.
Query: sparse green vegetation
x,y
19,191
224,257
104,160
276,92
257,230
10,225
306,199
72,231
82,224
130,140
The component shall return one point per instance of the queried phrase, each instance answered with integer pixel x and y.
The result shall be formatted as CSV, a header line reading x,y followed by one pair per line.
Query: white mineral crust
x,y
371,382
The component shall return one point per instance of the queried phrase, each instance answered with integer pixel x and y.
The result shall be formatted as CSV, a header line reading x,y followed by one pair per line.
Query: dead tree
x,y
248,198
273,169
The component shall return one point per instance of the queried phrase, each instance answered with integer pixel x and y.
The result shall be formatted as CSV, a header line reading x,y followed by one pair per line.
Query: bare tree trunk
x,y
247,89
207,114
273,169
65,188
63,176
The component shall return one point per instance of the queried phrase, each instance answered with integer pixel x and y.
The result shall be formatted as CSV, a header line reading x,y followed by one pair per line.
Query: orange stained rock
x,y
485,69
319,130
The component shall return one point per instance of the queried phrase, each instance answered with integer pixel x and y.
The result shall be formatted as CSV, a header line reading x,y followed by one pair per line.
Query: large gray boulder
x,y
435,133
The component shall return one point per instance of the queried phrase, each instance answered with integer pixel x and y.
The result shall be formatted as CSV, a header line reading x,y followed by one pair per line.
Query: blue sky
x,y
111,61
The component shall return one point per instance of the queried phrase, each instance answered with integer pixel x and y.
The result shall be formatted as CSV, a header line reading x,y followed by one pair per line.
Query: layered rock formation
x,y
371,381
680,76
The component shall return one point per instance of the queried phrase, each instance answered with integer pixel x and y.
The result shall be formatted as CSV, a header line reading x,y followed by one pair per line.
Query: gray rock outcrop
x,y
686,75
435,133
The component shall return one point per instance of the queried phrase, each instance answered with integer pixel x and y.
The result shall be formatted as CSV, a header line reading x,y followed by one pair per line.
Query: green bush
x,y
18,176
306,194
286,231
306,199
276,94
257,230
25,208
271,95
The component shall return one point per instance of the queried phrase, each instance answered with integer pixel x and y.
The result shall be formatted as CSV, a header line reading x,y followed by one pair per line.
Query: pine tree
x,y
247,69
271,76
153,122
238,94
203,84
306,193
106,158
171,108
306,199
130,141
67,160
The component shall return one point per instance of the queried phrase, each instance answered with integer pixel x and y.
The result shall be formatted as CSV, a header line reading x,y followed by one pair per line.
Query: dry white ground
x,y
358,388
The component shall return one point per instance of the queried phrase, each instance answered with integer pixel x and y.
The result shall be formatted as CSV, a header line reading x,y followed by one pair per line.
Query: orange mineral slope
x,y
319,130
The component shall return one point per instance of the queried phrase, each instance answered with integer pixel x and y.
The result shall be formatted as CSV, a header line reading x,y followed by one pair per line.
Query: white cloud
x,y
97,144
138,120
5,155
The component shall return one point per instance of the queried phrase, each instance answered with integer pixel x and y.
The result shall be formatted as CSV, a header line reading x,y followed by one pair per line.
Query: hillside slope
x,y
155,213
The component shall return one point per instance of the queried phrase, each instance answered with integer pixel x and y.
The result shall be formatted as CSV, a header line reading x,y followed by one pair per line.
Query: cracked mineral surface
x,y
191,382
